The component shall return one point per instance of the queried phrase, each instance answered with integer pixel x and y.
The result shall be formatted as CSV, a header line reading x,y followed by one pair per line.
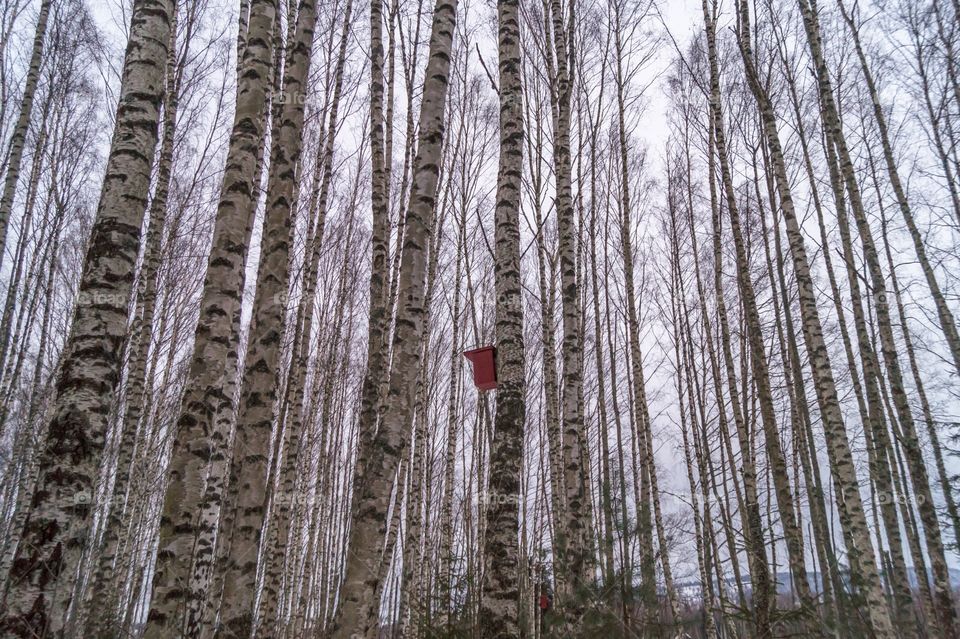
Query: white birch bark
x,y
261,379
208,403
943,598
359,610
500,605
23,124
572,539
45,568
852,516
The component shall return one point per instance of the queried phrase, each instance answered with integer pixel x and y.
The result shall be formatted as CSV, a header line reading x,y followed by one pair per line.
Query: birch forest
x,y
387,319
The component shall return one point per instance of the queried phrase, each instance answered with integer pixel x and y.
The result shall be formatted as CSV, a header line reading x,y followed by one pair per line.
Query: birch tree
x,y
359,611
208,405
499,609
45,567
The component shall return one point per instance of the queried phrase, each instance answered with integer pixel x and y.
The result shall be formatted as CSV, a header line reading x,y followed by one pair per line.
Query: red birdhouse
x,y
484,362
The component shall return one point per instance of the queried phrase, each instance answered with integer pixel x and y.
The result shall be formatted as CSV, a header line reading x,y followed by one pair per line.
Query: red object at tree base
x,y
484,362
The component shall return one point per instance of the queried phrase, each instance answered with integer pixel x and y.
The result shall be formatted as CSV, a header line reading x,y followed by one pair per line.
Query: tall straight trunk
x,y
328,392
902,495
642,431
763,595
546,271
643,436
627,559
947,322
758,357
807,440
714,369
606,496
500,605
208,402
796,394
410,65
140,524
942,476
592,541
378,329
19,137
31,431
214,529
285,548
408,598
760,368
445,553
547,266
476,471
280,527
943,597
694,391
261,380
823,534
45,568
878,438
572,539
26,237
678,301
410,606
409,482
852,515
218,515
104,590
359,610
12,360
381,144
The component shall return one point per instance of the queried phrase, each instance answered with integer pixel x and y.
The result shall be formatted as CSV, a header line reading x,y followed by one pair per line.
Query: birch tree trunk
x,y
208,403
758,357
642,430
928,418
378,323
412,612
32,429
280,526
947,322
379,315
749,502
445,554
500,605
546,277
15,293
23,124
677,301
880,452
359,611
943,598
571,540
45,567
852,516
261,380
104,590
218,515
